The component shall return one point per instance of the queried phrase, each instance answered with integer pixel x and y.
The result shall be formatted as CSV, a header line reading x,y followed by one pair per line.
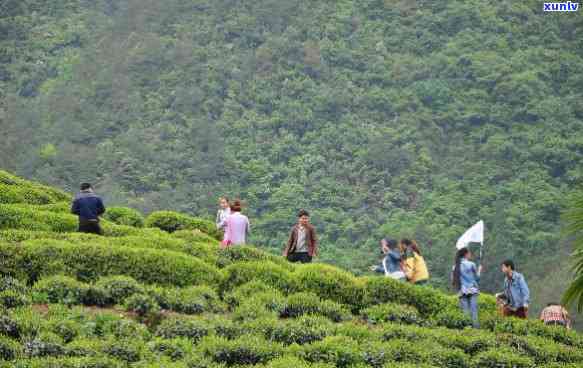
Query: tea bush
x,y
358,331
306,303
252,289
63,207
124,216
127,350
337,350
142,305
19,235
9,349
190,300
471,341
62,289
112,324
245,350
195,236
154,240
406,352
88,262
207,252
265,271
542,350
304,330
330,283
118,288
291,361
379,290
447,357
238,254
26,218
174,349
8,283
516,326
502,358
414,334
452,318
251,310
172,221
13,299
8,327
44,345
175,327
16,190
67,330
391,312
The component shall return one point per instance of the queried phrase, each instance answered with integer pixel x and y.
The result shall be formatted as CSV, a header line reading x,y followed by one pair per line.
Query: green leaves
x,y
573,230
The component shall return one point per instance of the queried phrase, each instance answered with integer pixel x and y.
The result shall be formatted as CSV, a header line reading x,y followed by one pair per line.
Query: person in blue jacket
x,y
466,281
516,292
391,264
89,207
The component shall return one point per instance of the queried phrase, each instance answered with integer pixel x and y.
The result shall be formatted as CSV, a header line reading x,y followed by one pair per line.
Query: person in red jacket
x,y
302,245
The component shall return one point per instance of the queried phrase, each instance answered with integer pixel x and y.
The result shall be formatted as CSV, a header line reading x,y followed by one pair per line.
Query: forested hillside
x,y
381,117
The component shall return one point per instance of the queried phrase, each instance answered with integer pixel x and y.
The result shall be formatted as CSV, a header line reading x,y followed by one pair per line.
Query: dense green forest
x,y
382,117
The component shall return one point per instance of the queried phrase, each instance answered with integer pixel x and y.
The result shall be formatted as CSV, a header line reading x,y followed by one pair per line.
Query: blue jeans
x,y
469,305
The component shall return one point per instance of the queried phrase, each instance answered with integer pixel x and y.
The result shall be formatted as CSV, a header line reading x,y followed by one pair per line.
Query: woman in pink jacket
x,y
237,226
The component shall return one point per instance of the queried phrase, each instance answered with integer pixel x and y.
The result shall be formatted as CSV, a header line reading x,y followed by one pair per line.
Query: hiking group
x,y
402,260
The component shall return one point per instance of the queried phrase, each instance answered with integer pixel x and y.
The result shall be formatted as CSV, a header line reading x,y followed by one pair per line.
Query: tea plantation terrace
x,y
158,292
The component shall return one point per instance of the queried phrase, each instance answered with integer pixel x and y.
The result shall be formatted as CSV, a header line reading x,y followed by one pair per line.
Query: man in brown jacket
x,y
302,244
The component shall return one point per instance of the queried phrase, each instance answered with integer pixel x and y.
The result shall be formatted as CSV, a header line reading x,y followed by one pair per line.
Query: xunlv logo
x,y
561,7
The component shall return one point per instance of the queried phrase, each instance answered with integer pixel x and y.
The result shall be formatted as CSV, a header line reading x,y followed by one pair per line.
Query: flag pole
x,y
482,246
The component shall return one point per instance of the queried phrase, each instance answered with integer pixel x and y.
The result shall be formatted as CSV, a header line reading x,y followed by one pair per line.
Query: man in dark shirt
x,y
88,206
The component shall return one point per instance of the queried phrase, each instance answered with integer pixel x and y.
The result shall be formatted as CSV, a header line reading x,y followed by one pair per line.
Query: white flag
x,y
475,234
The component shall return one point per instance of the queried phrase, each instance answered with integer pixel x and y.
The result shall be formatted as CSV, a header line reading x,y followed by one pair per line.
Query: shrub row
x,y
67,290
194,236
514,326
233,255
173,221
391,312
301,304
113,290
63,207
339,286
34,259
24,217
35,218
17,190
13,293
312,340
189,300
147,238
124,216
246,350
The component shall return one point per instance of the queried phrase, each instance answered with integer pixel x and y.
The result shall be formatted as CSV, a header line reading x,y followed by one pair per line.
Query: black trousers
x,y
90,227
299,257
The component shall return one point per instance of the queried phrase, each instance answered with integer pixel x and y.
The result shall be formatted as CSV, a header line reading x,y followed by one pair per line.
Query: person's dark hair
x,y
85,186
411,244
509,263
302,213
554,304
236,206
391,243
456,279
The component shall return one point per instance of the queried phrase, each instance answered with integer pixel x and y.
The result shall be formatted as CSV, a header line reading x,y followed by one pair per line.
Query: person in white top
x,y
222,213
